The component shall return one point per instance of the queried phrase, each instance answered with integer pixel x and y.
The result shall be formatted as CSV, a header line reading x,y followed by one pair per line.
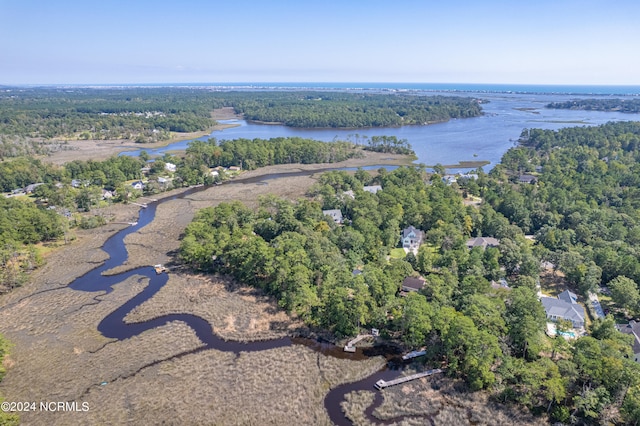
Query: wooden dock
x,y
351,345
381,384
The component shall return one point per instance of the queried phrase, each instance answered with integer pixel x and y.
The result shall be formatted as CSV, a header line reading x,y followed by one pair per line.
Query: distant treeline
x,y
149,114
326,109
620,105
138,114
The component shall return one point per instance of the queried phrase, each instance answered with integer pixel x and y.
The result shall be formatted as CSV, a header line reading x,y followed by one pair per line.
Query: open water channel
x,y
484,138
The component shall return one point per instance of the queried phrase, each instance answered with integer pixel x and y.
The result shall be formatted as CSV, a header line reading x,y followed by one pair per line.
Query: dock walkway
x,y
351,345
381,384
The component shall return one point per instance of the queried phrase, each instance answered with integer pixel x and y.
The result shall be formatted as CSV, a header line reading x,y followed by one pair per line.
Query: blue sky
x,y
489,41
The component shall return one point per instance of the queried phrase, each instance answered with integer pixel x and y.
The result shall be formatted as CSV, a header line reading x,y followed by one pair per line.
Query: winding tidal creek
x,y
114,326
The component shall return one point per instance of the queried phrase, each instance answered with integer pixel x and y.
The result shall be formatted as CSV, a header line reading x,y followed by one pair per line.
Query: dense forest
x,y
151,114
585,211
326,109
253,153
136,114
582,212
621,105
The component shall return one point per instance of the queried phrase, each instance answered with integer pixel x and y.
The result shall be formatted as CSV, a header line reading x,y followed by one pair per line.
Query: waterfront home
x,y
469,176
334,214
449,179
138,185
564,307
633,329
411,238
170,167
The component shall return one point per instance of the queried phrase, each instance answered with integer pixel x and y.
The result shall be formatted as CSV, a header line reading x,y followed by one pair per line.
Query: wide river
x,y
486,137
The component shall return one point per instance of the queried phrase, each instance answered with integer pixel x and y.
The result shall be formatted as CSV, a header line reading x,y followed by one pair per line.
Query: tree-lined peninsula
x,y
603,104
154,114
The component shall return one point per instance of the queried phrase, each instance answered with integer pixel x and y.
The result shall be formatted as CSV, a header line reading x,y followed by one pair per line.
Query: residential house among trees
x,y
412,238
413,284
633,328
483,242
372,189
527,179
334,214
564,307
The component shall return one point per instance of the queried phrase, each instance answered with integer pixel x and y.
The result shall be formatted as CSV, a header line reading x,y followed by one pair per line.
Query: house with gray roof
x,y
527,179
483,242
564,307
633,329
411,238
334,214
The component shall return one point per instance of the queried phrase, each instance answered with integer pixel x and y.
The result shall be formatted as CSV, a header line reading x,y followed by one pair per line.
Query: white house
x,y
449,179
372,189
170,167
138,185
411,238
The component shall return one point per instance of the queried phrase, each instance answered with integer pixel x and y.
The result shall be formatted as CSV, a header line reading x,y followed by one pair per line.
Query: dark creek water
x,y
114,326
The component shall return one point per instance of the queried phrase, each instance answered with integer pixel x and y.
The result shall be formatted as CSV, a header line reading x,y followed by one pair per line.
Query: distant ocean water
x,y
596,90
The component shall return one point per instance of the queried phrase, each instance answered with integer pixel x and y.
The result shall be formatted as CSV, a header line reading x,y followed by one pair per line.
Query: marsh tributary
x,y
114,325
